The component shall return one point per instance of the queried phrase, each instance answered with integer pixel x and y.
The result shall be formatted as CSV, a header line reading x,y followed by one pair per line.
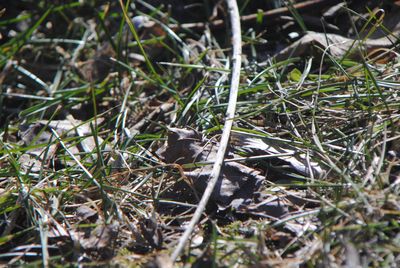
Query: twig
x,y
230,114
253,17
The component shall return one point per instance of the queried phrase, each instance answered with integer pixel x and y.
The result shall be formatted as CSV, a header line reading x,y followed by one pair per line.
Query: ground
x,y
111,116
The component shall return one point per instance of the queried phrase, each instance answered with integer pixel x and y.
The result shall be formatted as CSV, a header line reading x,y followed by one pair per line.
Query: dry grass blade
x,y
230,113
111,122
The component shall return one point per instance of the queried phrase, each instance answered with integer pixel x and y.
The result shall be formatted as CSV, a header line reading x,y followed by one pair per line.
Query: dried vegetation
x,y
109,129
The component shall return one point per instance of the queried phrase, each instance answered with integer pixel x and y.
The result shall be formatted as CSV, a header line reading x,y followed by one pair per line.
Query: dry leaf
x,y
34,158
97,68
40,133
237,183
297,159
86,213
339,46
101,238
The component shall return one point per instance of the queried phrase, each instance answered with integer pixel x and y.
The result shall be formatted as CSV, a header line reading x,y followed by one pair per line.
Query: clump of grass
x,y
86,186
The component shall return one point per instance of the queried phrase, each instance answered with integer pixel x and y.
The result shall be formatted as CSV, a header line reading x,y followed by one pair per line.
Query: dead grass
x,y
108,131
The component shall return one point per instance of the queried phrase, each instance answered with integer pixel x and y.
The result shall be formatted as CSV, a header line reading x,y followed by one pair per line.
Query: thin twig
x,y
230,114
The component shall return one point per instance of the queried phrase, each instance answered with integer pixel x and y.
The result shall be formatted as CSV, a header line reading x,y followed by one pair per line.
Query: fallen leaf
x,y
101,239
40,133
235,186
314,43
86,213
34,158
297,159
97,68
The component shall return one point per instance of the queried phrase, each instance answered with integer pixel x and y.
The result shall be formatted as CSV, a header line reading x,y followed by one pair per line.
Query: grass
x,y
80,179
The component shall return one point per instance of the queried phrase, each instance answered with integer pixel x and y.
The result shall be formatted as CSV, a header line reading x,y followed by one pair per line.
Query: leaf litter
x,y
304,137
41,137
238,186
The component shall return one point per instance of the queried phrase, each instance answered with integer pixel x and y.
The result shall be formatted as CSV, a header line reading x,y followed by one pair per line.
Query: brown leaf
x,y
266,206
101,237
237,183
86,213
297,159
235,186
313,43
184,146
98,67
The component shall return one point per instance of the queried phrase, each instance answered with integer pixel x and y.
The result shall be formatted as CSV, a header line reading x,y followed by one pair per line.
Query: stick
x,y
230,113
